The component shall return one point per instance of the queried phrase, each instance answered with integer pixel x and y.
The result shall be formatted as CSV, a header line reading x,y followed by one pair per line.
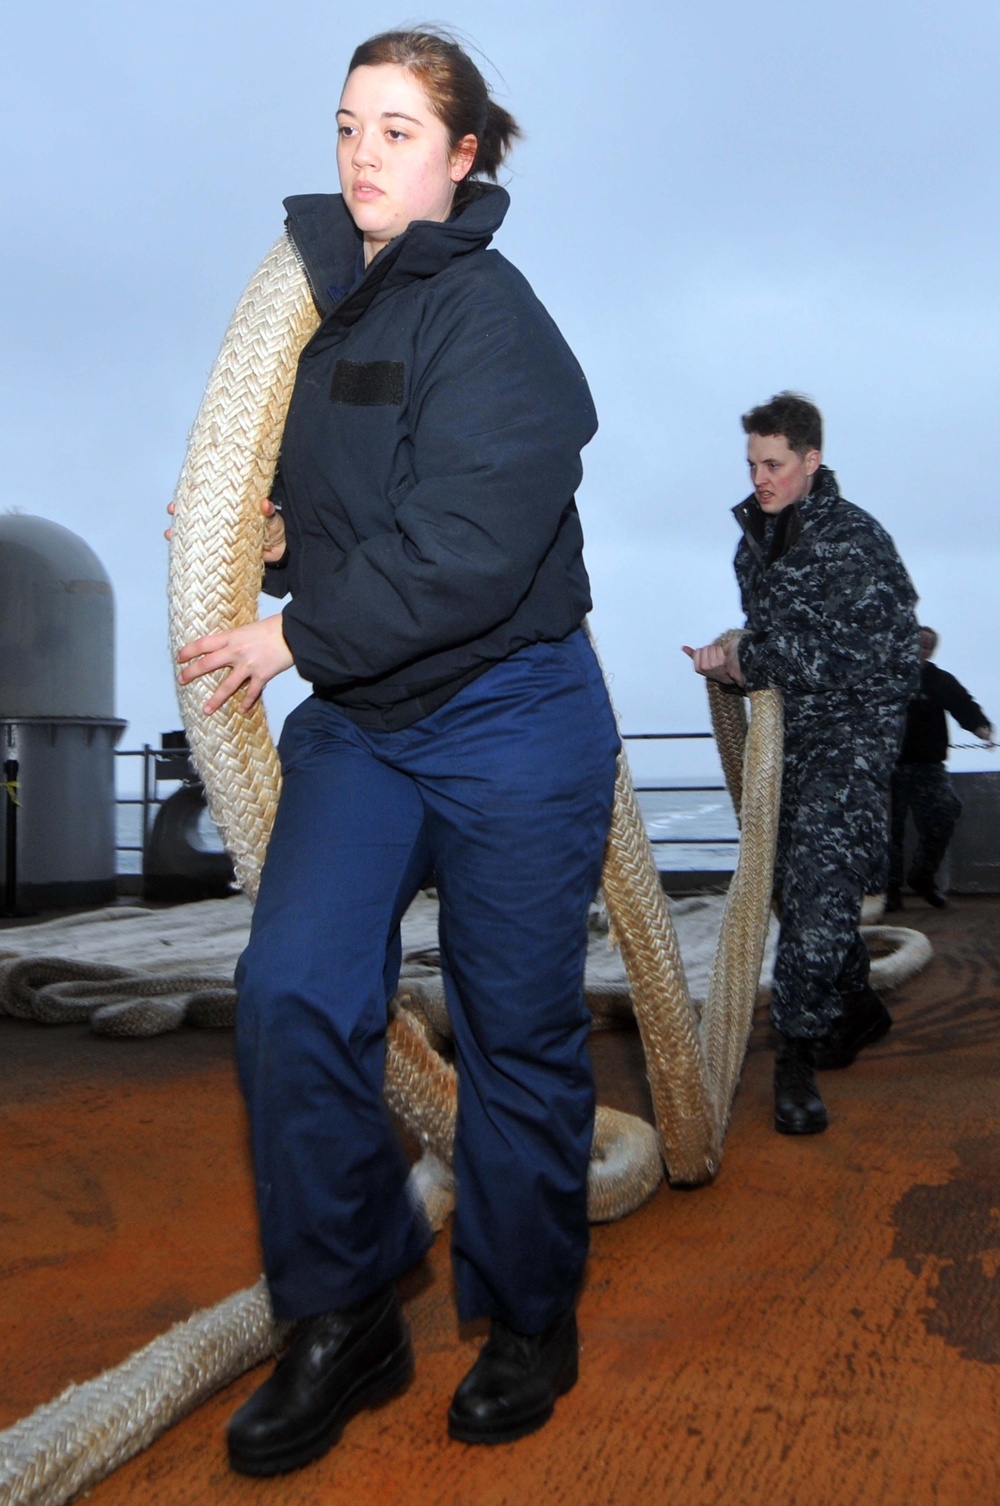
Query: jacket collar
x,y
768,538
328,243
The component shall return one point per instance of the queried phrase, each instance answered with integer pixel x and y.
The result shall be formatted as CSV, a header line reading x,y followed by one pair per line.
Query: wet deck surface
x,y
822,1325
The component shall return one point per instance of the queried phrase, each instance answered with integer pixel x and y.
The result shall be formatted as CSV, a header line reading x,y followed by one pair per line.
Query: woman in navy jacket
x,y
428,537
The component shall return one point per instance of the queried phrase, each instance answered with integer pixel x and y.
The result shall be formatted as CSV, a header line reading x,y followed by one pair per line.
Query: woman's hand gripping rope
x,y
254,653
274,543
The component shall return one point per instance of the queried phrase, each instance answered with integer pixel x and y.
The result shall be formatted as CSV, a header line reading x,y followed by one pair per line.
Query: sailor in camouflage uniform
x,y
830,623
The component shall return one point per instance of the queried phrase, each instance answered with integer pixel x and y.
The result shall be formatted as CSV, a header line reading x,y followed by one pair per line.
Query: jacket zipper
x,y
302,263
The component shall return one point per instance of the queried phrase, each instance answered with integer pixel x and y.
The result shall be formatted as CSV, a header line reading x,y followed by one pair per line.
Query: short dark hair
x,y
790,414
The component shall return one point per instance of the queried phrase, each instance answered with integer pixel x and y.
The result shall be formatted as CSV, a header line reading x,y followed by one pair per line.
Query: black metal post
x,y
10,771
148,791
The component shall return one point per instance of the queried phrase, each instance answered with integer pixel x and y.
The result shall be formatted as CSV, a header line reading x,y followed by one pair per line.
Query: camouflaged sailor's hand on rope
x,y
719,661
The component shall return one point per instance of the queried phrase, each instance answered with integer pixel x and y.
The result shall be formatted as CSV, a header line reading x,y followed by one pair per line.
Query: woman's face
x,y
393,154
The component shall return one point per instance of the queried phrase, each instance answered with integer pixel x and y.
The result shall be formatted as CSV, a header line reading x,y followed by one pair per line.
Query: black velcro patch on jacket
x,y
368,384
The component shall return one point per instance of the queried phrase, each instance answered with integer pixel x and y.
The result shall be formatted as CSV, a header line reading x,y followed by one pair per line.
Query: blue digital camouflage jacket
x,y
830,622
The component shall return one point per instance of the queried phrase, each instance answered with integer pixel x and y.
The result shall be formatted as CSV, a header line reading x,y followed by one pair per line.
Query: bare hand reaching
x,y
254,654
718,661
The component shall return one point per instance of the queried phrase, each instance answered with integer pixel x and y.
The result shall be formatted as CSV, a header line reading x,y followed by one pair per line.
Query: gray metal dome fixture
x,y
57,623
57,724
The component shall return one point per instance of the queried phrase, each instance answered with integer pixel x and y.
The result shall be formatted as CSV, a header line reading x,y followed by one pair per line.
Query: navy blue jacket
x,y
428,467
926,739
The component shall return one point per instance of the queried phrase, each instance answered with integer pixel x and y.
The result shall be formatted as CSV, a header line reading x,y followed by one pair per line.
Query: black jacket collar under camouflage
x,y
830,620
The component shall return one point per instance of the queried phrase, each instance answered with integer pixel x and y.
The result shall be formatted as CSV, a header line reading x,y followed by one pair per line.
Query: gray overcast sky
x,y
715,201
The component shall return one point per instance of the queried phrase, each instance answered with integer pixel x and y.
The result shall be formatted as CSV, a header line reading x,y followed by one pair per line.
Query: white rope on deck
x,y
69,1444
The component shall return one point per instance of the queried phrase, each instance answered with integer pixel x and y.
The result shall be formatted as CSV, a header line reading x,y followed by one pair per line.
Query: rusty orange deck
x,y
822,1325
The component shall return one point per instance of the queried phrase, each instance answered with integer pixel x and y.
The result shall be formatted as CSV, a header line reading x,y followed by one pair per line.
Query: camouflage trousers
x,y
926,790
832,851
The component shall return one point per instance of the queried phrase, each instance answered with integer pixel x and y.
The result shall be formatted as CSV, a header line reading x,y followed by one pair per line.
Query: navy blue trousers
x,y
505,794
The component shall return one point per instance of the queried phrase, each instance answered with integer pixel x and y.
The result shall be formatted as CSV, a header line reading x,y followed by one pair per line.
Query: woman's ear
x,y
462,158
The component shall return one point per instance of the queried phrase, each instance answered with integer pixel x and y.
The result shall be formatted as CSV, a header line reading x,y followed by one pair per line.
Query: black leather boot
x,y
798,1108
865,1020
337,1363
922,883
512,1388
893,899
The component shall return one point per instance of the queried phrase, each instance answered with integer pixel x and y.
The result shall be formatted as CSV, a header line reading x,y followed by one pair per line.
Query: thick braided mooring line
x,y
71,1443
694,1065
732,991
215,554
898,952
906,952
663,1009
625,1159
729,725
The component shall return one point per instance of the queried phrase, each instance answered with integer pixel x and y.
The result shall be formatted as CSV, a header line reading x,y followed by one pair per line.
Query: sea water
x,y
690,829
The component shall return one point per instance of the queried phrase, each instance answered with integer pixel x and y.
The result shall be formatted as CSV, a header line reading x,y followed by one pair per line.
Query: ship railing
x,y
643,788
167,766
159,766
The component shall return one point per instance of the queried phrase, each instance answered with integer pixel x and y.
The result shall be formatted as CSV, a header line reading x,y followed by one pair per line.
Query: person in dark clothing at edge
x,y
830,623
920,780
431,547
